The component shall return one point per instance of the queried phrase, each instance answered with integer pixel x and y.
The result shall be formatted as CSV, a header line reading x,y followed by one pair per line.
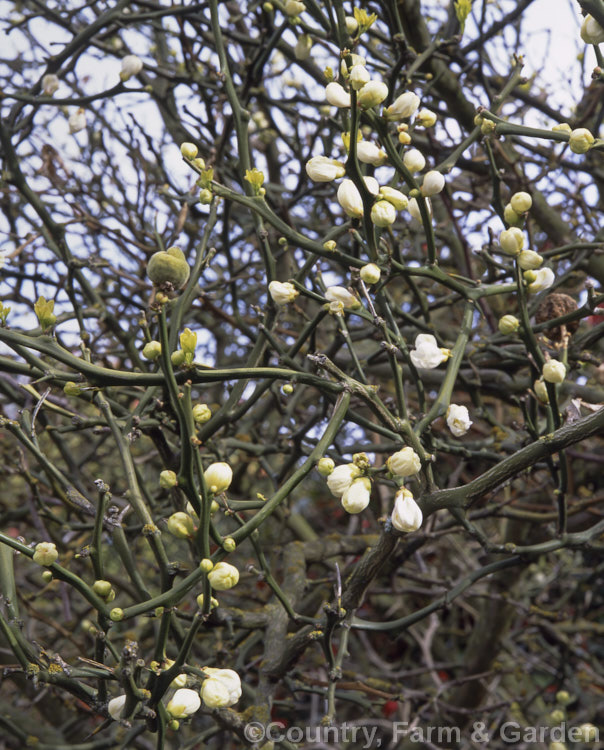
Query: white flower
x,y
115,706
303,47
370,273
350,199
383,214
359,76
50,83
324,169
340,294
591,31
511,241
399,200
357,496
426,118
341,478
77,121
414,160
282,292
369,153
223,576
336,95
414,208
554,371
433,183
458,419
427,354
403,106
131,66
544,278
372,94
404,463
529,260
407,515
218,477
230,681
185,702
521,202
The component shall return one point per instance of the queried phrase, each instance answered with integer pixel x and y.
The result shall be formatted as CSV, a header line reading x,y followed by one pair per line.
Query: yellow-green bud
x,y
174,724
325,466
189,150
562,127
223,576
214,507
181,525
45,553
541,391
47,576
201,413
563,697
218,477
206,565
101,588
511,241
116,614
508,324
199,163
521,202
330,246
205,197
529,260
580,140
71,389
370,273
229,544
44,312
168,479
213,602
152,350
511,217
178,358
188,341
287,389
557,716
587,732
168,267
487,126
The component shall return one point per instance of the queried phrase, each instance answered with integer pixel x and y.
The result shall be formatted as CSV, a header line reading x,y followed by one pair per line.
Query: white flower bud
x,y
427,354
50,83
336,95
591,31
543,279
529,260
77,121
201,413
372,185
580,140
458,419
168,479
303,47
293,8
383,213
359,76
189,150
282,292
404,463
511,241
554,371
352,25
357,496
223,576
115,706
45,553
370,273
414,208
218,477
508,324
369,153
402,107
541,391
414,160
151,350
354,60
587,733
350,199
325,466
131,66
340,294
399,200
181,525
511,217
426,118
407,515
372,94
214,693
185,702
433,183
521,202
341,478
229,679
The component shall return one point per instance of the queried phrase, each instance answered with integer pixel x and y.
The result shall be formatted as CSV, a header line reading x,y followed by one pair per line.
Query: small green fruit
x,y
169,266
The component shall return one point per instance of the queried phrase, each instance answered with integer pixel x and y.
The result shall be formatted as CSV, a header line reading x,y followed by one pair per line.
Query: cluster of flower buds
x,y
348,482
